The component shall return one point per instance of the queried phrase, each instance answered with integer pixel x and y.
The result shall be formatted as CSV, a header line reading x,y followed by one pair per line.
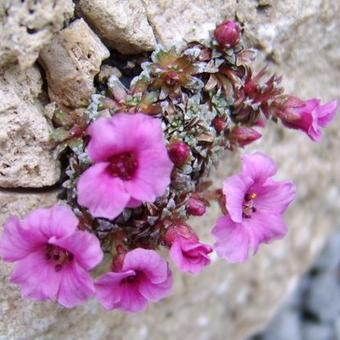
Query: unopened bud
x,y
179,230
244,135
196,206
228,33
179,153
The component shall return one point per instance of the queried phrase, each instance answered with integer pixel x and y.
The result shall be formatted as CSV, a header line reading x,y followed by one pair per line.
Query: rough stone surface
x,y
122,24
26,26
26,159
229,301
71,61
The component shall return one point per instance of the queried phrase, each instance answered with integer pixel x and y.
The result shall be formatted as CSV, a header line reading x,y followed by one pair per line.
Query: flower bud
x,y
179,153
228,33
179,230
244,135
219,124
196,206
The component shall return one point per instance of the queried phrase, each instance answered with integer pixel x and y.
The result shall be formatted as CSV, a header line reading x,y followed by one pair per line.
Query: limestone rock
x,y
71,61
26,26
178,21
26,159
123,25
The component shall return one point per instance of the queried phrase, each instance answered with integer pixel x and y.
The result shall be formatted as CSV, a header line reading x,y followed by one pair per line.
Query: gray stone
x,y
286,325
330,257
71,61
324,296
123,25
317,331
26,26
26,157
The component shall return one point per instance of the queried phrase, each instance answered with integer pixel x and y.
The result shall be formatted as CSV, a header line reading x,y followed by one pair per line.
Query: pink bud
x,y
196,206
179,153
228,33
219,124
179,230
244,135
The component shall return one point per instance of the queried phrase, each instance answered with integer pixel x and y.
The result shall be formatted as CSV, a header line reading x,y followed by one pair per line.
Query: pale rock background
x,y
299,39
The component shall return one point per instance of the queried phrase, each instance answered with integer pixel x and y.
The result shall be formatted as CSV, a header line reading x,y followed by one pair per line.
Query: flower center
x,y
249,205
123,165
133,278
58,256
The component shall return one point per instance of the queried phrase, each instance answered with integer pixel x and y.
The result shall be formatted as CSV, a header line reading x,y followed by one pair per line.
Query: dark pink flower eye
x,y
123,165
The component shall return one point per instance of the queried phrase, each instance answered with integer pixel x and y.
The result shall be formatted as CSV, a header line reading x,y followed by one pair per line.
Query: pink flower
x,y
144,276
53,257
186,251
255,205
131,164
308,116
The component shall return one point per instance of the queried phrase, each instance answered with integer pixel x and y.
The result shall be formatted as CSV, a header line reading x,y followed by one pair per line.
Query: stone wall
x,y
299,39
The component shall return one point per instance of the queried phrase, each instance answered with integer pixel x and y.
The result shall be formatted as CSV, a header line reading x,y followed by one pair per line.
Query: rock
x,y
230,301
71,61
323,299
123,25
26,26
26,158
316,331
178,21
286,325
330,257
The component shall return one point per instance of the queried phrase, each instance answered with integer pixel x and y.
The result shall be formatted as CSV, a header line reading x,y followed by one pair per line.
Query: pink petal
x,y
132,300
258,166
76,286
36,277
147,261
190,256
103,194
232,240
275,197
153,174
235,189
156,292
133,203
111,136
326,113
58,221
264,228
108,289
84,246
17,242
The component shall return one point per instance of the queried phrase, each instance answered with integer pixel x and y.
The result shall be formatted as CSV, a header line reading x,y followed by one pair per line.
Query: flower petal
x,y
84,246
326,113
275,197
235,189
153,175
17,242
110,136
37,277
232,240
264,228
147,261
258,166
76,286
104,195
108,290
156,292
58,221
